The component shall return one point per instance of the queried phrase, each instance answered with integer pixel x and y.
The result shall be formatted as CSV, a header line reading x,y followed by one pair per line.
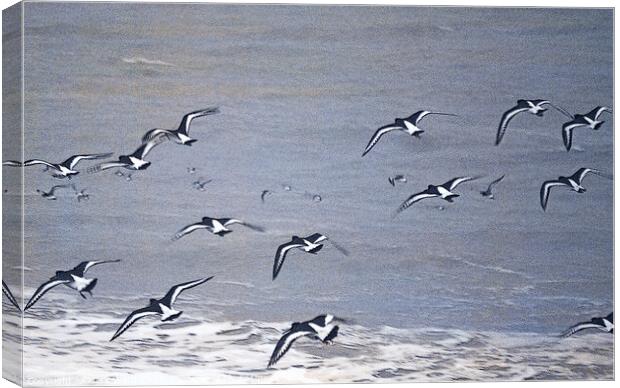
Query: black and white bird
x,y
162,307
74,279
65,169
311,244
134,161
50,195
535,107
397,178
216,226
590,120
264,194
321,328
443,191
181,134
9,295
605,324
572,182
488,193
408,125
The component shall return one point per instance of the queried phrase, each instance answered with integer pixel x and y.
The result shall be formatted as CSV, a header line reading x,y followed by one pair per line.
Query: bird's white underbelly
x,y
79,283
167,312
444,192
218,227
183,138
137,162
322,331
411,128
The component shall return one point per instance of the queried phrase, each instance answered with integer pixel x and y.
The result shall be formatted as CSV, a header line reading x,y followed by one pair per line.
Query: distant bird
x,y
9,295
128,177
444,191
162,307
590,120
408,125
572,182
320,328
134,161
535,107
488,193
264,194
181,134
50,195
310,244
397,178
74,279
605,324
198,185
317,198
191,170
62,170
216,226
81,195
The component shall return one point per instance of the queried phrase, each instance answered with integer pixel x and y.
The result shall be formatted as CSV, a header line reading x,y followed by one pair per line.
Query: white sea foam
x,y
61,349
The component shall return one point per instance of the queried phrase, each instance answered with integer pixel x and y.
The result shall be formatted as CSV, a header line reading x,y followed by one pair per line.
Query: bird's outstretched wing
x,y
132,318
156,133
145,148
189,229
104,166
12,163
33,162
230,221
9,295
578,327
281,252
316,238
54,188
582,172
453,183
187,119
596,112
506,117
86,265
75,159
174,292
413,199
545,190
43,289
380,132
567,133
285,343
426,113
495,182
558,108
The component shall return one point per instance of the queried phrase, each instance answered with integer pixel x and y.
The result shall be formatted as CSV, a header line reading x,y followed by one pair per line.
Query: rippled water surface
x,y
476,291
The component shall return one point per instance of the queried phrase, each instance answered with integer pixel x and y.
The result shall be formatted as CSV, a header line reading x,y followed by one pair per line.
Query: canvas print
x,y
249,194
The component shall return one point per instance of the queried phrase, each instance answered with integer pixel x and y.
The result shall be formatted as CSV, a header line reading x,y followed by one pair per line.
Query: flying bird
x,y
488,193
181,134
311,244
65,169
264,194
134,161
397,178
74,279
535,107
605,324
50,195
216,226
200,185
408,125
572,182
320,328
444,191
590,120
162,307
9,295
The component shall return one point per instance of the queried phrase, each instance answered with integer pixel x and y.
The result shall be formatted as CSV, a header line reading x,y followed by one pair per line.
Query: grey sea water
x,y
480,288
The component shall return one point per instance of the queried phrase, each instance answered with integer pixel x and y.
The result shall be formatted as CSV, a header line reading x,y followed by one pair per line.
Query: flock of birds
x,y
322,327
